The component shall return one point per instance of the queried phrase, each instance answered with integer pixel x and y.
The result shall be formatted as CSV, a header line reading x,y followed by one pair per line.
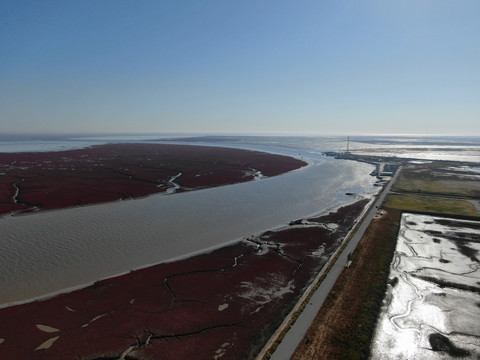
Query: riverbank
x,y
68,248
104,173
346,324
224,303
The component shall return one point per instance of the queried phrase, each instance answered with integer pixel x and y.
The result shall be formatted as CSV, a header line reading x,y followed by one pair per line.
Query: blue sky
x,y
308,67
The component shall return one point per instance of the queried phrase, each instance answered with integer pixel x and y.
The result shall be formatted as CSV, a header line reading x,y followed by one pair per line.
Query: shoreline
x,y
164,193
34,182
204,228
245,259
361,295
329,209
238,278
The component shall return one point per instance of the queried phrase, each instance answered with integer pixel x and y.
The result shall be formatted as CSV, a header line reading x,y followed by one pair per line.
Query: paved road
x,y
293,337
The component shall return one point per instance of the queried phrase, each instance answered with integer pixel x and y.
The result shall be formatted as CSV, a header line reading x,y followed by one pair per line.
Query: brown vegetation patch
x,y
345,324
437,178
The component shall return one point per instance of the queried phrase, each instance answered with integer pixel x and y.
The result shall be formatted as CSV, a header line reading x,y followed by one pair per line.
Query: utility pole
x,y
348,144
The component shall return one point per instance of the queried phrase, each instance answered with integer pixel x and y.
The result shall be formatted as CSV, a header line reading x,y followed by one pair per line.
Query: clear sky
x,y
310,67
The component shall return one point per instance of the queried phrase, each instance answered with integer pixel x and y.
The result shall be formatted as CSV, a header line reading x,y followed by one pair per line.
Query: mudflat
x,y
349,325
221,304
52,180
224,304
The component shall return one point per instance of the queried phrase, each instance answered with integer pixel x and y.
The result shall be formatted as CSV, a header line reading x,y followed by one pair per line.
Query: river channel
x,y
50,251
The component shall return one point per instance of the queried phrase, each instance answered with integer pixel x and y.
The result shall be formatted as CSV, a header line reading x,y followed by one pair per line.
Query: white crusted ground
x,y
417,307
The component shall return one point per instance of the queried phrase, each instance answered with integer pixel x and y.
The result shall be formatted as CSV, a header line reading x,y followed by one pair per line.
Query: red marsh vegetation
x,y
224,304
52,180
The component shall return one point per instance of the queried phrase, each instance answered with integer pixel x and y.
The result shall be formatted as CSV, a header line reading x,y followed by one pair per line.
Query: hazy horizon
x,y
40,134
470,140
258,68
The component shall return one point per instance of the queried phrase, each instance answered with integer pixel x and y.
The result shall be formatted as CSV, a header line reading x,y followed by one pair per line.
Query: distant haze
x,y
286,67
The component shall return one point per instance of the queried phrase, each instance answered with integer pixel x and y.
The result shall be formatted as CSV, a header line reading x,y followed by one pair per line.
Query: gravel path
x,y
293,337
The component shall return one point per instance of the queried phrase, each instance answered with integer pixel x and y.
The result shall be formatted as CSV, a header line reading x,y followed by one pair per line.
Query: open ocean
x,y
51,251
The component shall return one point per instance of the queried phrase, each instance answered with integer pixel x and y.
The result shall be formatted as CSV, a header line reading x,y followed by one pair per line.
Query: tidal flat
x,y
225,302
431,309
222,304
35,181
51,251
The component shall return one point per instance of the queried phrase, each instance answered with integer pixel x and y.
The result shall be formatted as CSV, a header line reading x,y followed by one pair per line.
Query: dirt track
x,y
338,331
